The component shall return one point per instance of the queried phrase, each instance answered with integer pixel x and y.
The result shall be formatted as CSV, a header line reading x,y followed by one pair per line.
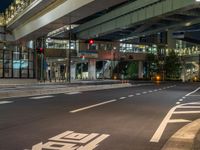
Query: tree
x,y
172,65
152,65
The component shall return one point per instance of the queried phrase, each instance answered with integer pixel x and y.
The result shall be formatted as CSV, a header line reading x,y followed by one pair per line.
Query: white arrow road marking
x,y
73,93
5,102
92,106
42,97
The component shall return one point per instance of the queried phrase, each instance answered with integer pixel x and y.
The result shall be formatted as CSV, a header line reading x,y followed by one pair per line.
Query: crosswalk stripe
x,y
186,112
190,107
179,121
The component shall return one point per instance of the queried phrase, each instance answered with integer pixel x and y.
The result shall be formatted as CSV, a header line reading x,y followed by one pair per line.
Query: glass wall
x,y
16,64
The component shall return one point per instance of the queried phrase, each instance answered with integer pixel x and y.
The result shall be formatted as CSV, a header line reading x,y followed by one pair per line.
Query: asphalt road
x,y
115,119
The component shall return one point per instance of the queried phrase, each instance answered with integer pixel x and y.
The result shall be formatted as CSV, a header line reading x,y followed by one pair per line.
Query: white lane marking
x,y
73,93
157,135
180,100
179,121
178,103
130,95
186,112
159,132
195,95
42,97
184,97
144,92
193,92
122,98
5,102
155,90
150,91
190,107
92,106
159,89
138,94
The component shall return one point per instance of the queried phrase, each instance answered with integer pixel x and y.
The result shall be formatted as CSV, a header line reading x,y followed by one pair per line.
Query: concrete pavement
x,y
24,90
187,138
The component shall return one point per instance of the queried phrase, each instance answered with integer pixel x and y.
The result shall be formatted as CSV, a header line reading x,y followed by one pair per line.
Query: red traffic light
x,y
40,50
91,42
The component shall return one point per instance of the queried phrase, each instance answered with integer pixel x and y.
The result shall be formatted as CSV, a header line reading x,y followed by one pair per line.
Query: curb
x,y
184,138
61,90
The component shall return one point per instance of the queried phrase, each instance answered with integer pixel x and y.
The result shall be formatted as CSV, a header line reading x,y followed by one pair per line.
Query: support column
x,y
92,69
73,71
140,70
170,40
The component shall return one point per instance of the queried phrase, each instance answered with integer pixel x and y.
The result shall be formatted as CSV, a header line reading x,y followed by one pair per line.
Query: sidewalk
x,y
34,89
187,138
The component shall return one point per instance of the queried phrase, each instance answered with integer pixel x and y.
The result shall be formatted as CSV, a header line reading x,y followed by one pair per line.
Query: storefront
x,y
18,63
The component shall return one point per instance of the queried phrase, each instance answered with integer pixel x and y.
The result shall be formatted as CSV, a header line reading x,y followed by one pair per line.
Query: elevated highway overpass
x,y
141,17
97,20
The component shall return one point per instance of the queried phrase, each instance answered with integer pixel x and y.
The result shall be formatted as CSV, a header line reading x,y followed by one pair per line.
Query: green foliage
x,y
152,65
132,70
172,65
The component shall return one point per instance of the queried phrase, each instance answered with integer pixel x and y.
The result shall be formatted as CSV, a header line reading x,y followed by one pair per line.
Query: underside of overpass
x,y
141,18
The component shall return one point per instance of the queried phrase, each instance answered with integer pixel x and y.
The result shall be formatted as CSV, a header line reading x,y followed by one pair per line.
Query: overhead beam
x,y
142,11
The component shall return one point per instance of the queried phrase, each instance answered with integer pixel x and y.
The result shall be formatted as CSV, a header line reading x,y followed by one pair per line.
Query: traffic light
x,y
83,57
91,41
40,50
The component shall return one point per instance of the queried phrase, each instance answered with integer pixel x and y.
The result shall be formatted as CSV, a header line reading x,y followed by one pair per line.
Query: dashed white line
x,y
138,94
42,97
130,95
144,92
92,106
180,100
5,102
150,91
73,93
178,103
122,98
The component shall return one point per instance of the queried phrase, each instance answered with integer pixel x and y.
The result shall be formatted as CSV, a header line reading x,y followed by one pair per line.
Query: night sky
x,y
4,4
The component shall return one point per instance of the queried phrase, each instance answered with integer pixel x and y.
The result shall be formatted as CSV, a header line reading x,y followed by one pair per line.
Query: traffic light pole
x,y
69,53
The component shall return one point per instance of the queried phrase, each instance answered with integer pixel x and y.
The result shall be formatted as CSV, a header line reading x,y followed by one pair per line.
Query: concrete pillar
x,y
170,40
92,69
73,71
140,70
